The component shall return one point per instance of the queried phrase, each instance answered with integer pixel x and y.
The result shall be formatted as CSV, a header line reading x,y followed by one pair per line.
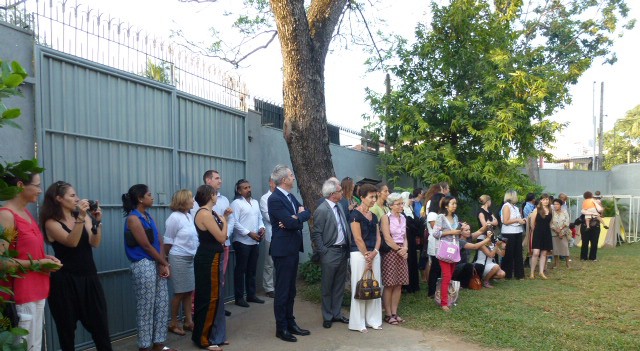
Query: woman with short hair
x,y
364,255
395,271
181,242
560,233
512,221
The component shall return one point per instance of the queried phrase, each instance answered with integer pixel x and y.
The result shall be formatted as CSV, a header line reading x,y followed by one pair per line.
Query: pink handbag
x,y
448,251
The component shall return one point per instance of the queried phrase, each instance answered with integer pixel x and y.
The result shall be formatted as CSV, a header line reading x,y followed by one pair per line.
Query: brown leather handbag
x,y
475,283
368,287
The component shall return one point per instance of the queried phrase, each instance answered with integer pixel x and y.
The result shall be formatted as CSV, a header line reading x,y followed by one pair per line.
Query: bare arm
x,y
140,235
205,220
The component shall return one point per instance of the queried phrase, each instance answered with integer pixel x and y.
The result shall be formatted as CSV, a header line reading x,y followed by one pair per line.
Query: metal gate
x,y
103,130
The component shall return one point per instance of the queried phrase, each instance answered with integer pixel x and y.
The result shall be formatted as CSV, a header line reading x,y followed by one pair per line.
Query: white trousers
x,y
364,313
267,273
32,319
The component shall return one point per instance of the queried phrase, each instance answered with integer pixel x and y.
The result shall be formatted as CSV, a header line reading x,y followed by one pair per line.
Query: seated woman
x,y
463,271
486,265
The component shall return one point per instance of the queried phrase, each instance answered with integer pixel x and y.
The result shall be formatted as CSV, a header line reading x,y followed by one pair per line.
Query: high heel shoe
x,y
543,277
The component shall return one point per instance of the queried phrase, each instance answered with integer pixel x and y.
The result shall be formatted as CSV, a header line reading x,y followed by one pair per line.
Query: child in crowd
x,y
592,209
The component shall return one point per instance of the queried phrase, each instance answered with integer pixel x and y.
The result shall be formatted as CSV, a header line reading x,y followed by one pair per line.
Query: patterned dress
x,y
394,268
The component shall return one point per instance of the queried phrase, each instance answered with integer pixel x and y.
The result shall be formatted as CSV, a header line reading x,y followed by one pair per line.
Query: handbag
x,y
475,283
448,251
131,240
454,289
368,287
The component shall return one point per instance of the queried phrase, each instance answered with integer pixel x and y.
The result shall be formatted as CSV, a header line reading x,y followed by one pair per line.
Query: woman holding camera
x,y
511,229
395,272
149,268
486,264
32,288
560,233
181,242
541,241
76,292
210,328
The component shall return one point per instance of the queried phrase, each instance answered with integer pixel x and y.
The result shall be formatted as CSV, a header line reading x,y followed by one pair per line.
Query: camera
x,y
495,239
93,205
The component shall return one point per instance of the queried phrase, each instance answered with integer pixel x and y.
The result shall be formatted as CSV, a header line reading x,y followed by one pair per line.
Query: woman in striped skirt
x,y
209,329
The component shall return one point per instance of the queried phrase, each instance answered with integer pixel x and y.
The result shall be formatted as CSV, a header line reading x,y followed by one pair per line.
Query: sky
x,y
346,75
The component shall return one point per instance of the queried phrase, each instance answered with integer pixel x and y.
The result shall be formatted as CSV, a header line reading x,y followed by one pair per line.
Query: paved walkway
x,y
253,329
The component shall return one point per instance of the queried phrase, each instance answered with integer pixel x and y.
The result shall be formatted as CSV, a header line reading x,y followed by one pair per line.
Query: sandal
x,y
176,330
392,320
446,308
399,319
363,331
386,318
214,348
187,327
487,285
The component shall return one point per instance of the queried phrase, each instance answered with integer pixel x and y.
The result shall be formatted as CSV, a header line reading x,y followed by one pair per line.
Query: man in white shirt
x,y
267,273
248,232
213,178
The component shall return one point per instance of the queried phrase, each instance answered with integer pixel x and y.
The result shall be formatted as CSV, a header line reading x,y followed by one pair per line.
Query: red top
x,y
33,286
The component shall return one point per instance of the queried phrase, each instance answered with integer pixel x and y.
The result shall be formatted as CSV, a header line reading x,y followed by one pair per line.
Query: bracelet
x,y
78,222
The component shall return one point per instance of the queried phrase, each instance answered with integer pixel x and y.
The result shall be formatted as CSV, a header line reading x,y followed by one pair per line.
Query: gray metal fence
x,y
104,130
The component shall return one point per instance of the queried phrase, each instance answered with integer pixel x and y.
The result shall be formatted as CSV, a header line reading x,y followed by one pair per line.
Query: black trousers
x,y
590,237
74,298
434,274
512,262
244,274
286,271
463,273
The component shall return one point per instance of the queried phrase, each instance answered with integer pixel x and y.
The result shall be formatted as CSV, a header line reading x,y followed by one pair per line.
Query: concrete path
x,y
253,329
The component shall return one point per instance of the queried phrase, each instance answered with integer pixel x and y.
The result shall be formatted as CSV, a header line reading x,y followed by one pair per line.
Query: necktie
x,y
293,203
341,231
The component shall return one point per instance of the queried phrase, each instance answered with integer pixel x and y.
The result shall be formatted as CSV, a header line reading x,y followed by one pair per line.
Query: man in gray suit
x,y
331,235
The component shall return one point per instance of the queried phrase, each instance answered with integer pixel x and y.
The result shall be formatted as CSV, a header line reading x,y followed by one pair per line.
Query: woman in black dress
x,y
541,241
76,293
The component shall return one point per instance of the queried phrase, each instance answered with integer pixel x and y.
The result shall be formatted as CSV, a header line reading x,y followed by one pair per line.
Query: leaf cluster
x,y
12,76
475,90
20,170
622,143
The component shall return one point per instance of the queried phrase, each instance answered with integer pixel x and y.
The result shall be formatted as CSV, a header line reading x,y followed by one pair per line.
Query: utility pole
x,y
387,112
593,114
601,136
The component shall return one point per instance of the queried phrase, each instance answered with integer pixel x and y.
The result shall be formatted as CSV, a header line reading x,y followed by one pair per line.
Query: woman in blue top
x,y
364,255
149,268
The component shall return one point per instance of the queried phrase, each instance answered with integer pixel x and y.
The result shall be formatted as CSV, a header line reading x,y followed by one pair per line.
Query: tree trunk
x,y
304,43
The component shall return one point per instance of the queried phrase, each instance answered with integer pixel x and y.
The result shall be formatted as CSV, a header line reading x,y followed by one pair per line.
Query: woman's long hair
x,y
540,206
131,198
51,209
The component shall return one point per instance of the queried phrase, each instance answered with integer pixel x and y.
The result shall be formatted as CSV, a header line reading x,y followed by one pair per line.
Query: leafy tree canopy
x,y
622,144
475,90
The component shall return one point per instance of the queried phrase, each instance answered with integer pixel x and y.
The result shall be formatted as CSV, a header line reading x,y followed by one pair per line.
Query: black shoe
x,y
271,294
327,324
242,303
342,319
227,313
295,329
285,336
255,299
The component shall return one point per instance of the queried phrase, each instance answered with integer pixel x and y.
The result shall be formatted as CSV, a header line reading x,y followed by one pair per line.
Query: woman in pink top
x,y
395,272
32,289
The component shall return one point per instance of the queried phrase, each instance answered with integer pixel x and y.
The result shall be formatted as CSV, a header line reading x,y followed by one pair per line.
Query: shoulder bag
x,y
448,251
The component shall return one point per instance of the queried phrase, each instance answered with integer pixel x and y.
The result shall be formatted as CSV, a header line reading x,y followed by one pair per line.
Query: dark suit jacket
x,y
285,241
325,229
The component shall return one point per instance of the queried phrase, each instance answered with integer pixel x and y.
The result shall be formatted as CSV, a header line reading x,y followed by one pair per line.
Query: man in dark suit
x,y
287,219
330,237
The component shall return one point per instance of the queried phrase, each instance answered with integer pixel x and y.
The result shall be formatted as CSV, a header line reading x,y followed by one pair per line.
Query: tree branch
x,y
323,17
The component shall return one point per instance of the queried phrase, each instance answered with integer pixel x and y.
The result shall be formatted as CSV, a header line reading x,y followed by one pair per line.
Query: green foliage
x,y
476,89
160,72
310,272
622,144
12,76
20,170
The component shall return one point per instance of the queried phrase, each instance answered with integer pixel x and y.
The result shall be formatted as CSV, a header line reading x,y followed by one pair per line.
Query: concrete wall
x,y
625,180
16,44
572,182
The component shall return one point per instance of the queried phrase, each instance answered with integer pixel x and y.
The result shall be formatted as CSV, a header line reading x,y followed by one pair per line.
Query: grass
x,y
592,306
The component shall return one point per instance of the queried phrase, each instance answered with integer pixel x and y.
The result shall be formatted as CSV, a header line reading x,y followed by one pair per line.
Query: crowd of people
x,y
356,230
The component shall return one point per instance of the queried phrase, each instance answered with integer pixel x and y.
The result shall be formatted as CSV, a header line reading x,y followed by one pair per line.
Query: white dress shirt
x,y
340,240
264,209
180,232
247,218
